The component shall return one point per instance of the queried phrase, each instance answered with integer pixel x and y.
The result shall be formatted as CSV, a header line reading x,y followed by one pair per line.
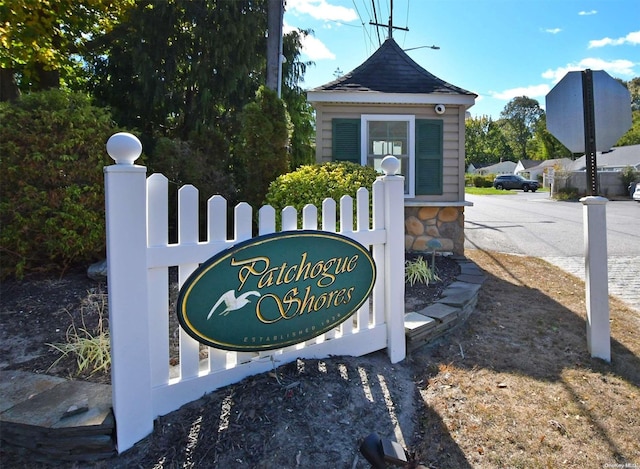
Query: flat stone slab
x,y
69,404
469,268
441,312
17,386
472,278
414,321
461,287
460,299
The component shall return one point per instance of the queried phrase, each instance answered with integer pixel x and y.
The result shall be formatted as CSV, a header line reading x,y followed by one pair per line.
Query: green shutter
x,y
429,157
346,140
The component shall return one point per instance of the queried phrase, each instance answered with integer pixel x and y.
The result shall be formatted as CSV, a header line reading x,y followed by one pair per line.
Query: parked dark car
x,y
515,181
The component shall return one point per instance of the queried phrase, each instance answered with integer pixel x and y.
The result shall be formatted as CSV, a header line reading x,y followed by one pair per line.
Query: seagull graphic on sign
x,y
231,302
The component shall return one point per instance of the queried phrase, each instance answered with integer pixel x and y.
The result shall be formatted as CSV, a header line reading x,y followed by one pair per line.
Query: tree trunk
x,y
9,90
47,79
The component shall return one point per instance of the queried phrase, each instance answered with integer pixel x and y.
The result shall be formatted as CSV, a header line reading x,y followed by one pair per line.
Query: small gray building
x,y
390,105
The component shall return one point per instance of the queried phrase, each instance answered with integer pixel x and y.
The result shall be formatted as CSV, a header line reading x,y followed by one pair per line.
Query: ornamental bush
x,y
483,181
52,154
311,184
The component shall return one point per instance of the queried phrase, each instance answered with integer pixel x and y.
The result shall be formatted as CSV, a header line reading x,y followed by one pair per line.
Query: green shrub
x,y
629,175
311,184
567,193
482,181
52,154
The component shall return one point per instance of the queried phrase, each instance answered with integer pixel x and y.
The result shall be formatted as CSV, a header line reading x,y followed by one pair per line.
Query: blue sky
x,y
498,49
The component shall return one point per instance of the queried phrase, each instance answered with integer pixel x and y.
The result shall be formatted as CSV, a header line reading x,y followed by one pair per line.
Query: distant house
x,y
616,159
504,167
390,105
522,168
537,170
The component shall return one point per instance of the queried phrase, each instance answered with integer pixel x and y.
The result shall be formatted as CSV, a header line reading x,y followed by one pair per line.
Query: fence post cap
x,y
124,148
390,165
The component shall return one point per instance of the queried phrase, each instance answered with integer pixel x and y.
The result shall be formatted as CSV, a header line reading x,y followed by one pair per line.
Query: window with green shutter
x,y
346,140
429,156
421,162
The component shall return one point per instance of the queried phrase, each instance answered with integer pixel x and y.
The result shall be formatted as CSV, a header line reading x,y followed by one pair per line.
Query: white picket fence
x,y
139,255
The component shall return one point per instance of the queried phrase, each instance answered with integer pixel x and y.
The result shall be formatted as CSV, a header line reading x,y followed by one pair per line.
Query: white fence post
x,y
394,258
596,277
125,198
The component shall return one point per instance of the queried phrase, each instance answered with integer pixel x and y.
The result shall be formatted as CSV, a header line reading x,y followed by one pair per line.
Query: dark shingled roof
x,y
391,70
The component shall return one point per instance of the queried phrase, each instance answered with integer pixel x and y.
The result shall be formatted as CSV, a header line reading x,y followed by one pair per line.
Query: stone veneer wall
x,y
446,224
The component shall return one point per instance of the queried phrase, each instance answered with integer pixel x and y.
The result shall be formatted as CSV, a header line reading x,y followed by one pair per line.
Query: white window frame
x,y
411,143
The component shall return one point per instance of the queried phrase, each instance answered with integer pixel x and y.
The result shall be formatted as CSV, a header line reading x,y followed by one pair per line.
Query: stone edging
x,y
456,305
54,419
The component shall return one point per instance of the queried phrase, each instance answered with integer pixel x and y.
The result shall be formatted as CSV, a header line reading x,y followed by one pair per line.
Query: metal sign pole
x,y
589,132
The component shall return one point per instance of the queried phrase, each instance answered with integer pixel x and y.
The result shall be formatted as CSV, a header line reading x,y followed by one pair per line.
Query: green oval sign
x,y
276,290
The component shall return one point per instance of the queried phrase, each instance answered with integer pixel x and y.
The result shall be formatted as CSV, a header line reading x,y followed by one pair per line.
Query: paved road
x,y
533,225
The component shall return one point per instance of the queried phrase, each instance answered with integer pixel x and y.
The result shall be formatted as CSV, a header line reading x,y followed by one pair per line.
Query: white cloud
x,y
315,49
614,67
587,13
530,91
321,10
631,38
312,47
552,30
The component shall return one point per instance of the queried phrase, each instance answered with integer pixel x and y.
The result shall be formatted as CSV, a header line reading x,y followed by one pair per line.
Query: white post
x,y
394,258
596,277
125,194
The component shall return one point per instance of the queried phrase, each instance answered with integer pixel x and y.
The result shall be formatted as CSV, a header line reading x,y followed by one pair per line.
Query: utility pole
x,y
390,26
275,13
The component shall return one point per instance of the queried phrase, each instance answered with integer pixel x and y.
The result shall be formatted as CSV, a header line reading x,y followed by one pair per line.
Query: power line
x,y
375,17
406,21
364,28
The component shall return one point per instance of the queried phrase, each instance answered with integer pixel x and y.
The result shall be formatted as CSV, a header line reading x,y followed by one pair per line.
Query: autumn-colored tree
x,y
42,41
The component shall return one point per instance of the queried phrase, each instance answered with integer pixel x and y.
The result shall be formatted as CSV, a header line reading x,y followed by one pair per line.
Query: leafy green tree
x,y
633,86
42,41
632,136
520,117
543,145
184,70
484,142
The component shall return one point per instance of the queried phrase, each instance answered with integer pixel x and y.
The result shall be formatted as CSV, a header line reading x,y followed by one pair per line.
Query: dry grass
x,y
516,387
89,346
